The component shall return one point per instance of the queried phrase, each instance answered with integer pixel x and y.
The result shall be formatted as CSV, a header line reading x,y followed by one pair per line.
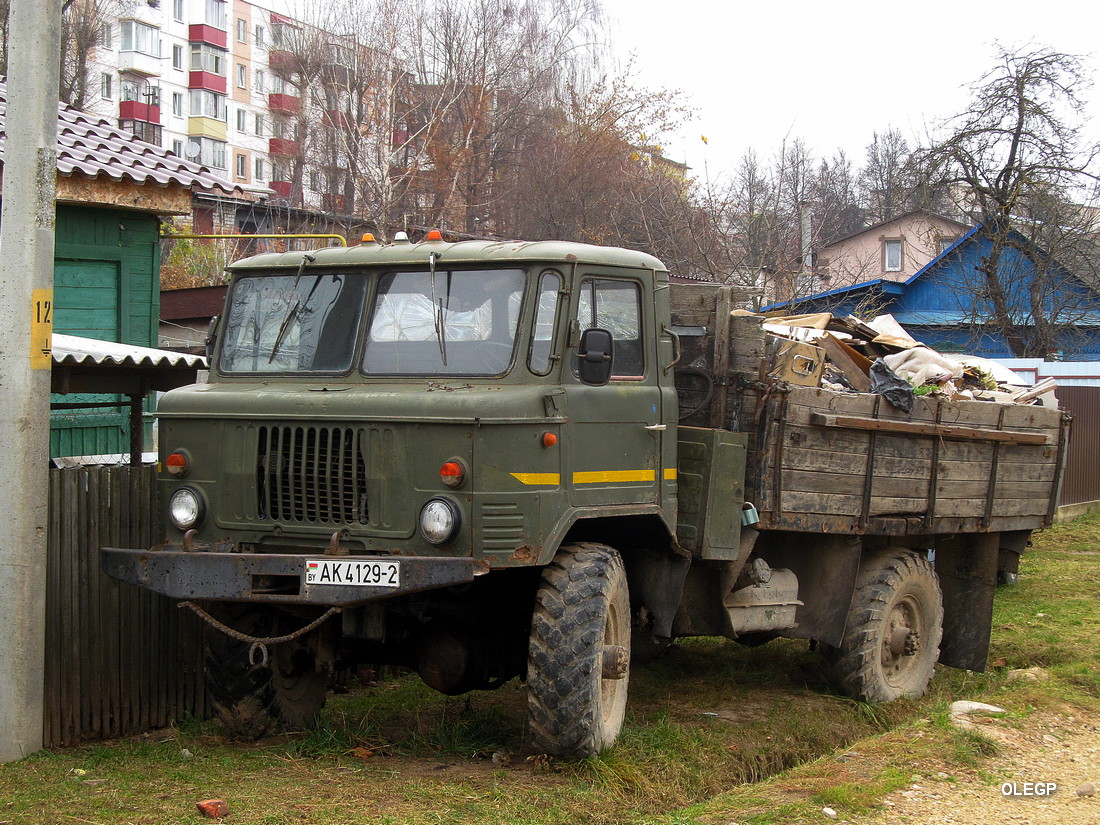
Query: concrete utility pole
x,y
26,317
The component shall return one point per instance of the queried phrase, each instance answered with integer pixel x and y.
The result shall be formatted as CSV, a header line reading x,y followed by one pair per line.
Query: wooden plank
x,y
938,430
849,362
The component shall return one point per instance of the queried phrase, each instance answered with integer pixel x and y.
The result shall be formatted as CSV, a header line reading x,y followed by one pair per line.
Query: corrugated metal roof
x,y
72,350
94,147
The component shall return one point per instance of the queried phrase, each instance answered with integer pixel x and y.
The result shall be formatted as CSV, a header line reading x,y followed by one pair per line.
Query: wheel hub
x,y
616,660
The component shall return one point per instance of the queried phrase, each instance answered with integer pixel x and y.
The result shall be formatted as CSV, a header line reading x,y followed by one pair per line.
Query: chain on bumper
x,y
257,653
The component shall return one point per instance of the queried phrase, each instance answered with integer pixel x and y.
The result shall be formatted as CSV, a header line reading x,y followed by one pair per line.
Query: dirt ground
x,y
1063,750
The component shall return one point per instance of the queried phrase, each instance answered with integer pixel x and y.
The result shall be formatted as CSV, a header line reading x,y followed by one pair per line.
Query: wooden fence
x,y
1082,481
119,660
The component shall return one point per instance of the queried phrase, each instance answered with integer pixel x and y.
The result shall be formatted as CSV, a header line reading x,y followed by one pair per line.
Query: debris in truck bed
x,y
853,346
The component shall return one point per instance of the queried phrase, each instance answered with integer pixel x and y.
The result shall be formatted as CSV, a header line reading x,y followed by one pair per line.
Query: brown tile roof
x,y
92,146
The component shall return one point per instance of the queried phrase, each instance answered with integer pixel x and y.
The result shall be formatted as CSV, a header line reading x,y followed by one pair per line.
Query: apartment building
x,y
201,79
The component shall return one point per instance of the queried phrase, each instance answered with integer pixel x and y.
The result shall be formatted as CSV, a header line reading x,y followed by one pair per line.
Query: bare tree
x,y
1015,160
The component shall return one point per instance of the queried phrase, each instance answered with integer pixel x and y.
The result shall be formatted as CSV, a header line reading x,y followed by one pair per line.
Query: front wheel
x,y
250,698
892,639
579,656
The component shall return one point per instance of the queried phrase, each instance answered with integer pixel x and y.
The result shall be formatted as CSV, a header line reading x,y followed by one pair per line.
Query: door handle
x,y
657,428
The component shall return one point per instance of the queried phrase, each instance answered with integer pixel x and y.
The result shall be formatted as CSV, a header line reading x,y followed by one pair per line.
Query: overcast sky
x,y
831,73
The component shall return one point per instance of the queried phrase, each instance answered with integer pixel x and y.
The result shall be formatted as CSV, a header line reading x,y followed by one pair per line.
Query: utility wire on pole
x,y
26,317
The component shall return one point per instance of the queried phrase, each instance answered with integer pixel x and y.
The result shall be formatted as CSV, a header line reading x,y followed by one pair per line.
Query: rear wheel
x,y
252,699
579,655
892,639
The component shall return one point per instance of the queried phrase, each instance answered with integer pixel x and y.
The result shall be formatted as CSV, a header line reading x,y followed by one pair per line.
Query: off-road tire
x,y
251,700
892,639
581,622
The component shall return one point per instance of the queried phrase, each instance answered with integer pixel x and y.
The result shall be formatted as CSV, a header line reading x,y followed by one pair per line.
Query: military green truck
x,y
473,459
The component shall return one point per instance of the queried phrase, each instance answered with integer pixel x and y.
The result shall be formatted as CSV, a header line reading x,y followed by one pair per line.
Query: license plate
x,y
355,573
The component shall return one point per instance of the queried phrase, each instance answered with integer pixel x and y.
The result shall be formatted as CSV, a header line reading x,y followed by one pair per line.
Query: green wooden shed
x,y
112,191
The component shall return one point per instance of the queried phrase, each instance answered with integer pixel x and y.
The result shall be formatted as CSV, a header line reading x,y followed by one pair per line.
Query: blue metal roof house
x,y
946,306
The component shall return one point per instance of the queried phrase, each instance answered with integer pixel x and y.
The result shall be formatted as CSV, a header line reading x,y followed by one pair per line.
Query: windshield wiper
x,y
437,310
292,313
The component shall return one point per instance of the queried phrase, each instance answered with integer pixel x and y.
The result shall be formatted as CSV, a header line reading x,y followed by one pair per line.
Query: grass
x,y
715,733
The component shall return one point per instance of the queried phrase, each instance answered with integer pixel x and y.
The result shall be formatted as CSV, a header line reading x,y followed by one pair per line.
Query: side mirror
x,y
211,340
595,357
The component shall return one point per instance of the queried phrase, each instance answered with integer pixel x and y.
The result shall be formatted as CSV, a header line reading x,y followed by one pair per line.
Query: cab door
x,y
615,430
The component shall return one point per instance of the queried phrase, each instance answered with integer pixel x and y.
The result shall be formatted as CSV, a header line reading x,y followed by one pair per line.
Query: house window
x,y
242,166
891,255
242,30
258,39
106,86
177,148
259,80
945,244
315,181
177,104
207,58
241,115
177,57
131,90
205,103
242,76
106,38
259,124
137,37
177,10
258,172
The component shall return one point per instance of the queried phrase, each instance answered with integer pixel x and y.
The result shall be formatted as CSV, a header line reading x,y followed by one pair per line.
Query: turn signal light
x,y
549,439
434,235
452,473
177,463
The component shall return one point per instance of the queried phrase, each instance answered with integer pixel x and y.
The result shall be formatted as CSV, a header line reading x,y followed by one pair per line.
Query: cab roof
x,y
465,253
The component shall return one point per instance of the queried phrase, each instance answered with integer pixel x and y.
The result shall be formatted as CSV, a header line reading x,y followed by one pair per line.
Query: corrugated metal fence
x,y
1081,482
119,660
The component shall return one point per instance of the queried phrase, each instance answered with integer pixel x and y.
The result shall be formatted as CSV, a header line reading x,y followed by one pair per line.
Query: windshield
x,y
444,322
286,323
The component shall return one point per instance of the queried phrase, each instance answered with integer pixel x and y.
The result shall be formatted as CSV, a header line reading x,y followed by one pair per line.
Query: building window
x,y
137,37
177,57
242,30
258,172
205,103
106,86
242,76
207,151
215,16
207,58
143,130
891,255
242,166
259,81
177,10
945,244
258,39
106,38
259,124
177,104
177,148
241,114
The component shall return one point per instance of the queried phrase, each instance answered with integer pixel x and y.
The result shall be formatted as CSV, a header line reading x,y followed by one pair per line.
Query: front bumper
x,y
271,577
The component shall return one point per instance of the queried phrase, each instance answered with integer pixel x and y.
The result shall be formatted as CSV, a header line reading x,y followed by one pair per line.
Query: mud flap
x,y
967,568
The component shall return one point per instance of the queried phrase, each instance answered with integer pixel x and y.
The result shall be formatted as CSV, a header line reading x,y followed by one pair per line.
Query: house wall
x,y
861,257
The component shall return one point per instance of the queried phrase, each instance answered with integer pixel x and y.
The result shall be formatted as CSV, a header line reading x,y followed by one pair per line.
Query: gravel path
x,y
1062,750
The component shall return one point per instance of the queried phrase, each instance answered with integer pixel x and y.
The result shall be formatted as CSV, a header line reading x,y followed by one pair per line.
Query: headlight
x,y
185,508
439,521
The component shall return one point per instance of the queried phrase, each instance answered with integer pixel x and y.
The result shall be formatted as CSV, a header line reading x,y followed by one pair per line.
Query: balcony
x,y
281,61
206,80
201,33
282,147
140,63
336,120
138,110
282,104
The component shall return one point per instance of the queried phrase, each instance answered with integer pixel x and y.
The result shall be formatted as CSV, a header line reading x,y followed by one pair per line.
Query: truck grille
x,y
311,475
